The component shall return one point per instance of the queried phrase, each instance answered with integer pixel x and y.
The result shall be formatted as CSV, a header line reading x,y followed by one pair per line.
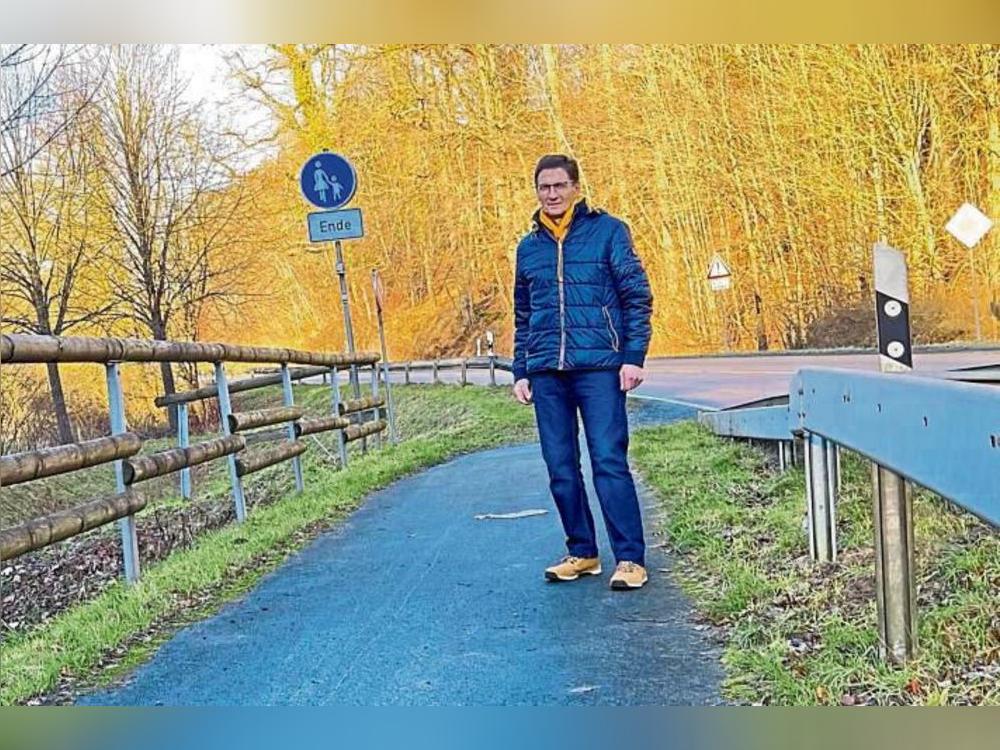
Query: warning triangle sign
x,y
718,269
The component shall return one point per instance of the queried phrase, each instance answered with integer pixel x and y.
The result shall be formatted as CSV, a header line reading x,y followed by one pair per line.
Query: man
x,y
582,305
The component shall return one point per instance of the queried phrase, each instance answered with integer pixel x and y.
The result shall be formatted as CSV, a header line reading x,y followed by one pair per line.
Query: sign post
x,y
720,278
379,290
329,181
968,225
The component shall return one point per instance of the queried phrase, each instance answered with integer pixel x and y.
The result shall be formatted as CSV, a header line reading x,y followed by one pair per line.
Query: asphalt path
x,y
415,601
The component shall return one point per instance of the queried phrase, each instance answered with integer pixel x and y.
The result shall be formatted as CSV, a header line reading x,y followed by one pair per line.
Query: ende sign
x,y
327,226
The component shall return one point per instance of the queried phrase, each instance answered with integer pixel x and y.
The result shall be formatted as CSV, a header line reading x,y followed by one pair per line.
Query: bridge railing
x,y
238,429
937,432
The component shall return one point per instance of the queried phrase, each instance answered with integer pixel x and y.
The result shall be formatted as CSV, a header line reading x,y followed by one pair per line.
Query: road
x,y
721,382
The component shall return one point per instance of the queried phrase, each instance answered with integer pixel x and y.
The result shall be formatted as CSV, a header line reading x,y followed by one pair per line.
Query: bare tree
x,y
173,203
36,84
47,242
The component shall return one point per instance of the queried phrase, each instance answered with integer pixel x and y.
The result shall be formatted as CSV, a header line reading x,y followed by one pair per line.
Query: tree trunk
x,y
167,373
59,403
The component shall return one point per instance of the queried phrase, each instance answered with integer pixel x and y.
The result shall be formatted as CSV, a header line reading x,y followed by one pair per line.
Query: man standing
x,y
582,305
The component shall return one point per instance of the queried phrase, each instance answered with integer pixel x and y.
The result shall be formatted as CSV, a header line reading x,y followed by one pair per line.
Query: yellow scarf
x,y
560,228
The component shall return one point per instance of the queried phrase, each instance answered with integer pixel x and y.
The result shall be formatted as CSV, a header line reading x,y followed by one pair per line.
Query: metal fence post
x,y
821,497
782,465
895,573
225,409
184,441
434,365
406,373
465,365
289,400
116,404
895,588
341,441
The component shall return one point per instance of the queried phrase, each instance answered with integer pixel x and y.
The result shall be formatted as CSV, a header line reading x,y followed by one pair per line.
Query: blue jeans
x,y
557,395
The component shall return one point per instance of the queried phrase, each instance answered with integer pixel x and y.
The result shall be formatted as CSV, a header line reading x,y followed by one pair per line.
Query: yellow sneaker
x,y
628,575
570,568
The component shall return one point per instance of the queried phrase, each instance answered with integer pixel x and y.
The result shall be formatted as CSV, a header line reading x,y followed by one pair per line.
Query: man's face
x,y
556,191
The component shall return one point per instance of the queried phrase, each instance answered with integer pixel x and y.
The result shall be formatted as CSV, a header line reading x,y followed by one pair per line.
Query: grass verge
x,y
799,633
436,422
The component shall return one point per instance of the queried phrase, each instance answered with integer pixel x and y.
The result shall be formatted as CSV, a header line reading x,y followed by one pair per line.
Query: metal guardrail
x,y
936,432
120,448
491,363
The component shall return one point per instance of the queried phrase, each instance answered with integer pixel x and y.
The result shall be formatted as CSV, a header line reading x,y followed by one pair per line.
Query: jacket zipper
x,y
562,307
611,328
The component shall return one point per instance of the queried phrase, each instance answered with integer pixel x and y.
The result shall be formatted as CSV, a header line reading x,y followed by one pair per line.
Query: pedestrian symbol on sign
x,y
328,180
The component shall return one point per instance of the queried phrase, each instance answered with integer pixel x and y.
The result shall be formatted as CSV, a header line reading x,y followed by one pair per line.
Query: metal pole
x,y
390,406
184,441
435,370
225,409
781,456
116,403
341,270
335,379
465,380
821,498
895,589
975,293
289,400
406,373
892,511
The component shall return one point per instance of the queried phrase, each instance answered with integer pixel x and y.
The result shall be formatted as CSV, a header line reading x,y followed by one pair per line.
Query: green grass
x,y
800,633
436,422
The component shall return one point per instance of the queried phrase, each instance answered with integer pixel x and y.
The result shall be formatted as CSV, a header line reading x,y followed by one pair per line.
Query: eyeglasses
x,y
557,186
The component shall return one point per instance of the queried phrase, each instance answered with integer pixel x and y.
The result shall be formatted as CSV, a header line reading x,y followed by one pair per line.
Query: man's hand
x,y
522,391
630,376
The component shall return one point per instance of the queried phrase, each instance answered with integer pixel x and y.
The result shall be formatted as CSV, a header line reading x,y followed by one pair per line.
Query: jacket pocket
x,y
611,328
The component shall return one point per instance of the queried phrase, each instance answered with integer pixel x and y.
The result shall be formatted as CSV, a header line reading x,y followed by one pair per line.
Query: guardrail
x,y
937,432
491,363
121,447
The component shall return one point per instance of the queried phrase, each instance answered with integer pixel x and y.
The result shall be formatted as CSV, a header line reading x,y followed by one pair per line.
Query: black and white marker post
x,y
895,589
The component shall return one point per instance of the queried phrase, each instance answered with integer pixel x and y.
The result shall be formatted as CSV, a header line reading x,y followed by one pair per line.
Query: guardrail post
x,y
465,365
289,400
434,366
116,404
493,370
821,497
895,572
225,409
341,442
895,590
184,441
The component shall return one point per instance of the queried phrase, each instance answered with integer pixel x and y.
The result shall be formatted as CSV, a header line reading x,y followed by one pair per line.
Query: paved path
x,y
414,601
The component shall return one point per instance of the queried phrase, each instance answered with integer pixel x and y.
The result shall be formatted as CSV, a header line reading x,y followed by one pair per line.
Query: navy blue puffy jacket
x,y
593,310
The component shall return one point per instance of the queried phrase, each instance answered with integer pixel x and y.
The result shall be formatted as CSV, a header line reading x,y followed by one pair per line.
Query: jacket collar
x,y
580,210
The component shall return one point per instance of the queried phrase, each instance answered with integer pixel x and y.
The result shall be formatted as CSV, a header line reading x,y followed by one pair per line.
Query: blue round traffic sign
x,y
328,180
